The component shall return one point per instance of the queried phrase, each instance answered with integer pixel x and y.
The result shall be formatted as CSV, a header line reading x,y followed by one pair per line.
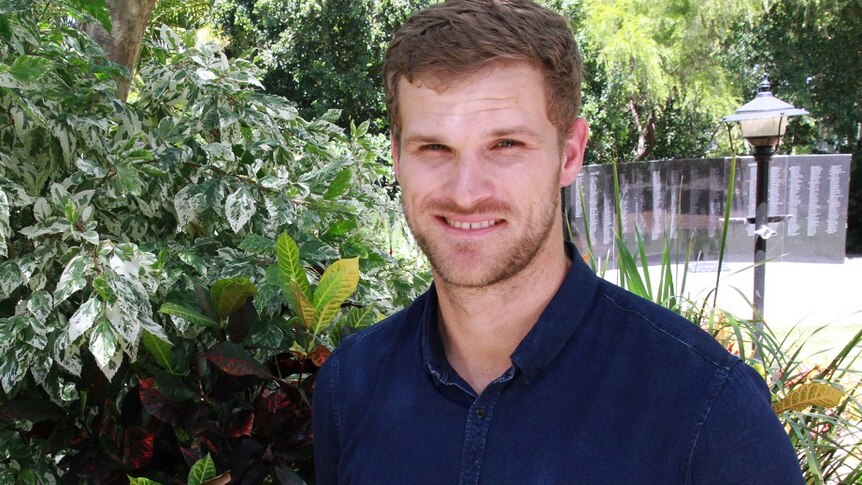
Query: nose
x,y
469,181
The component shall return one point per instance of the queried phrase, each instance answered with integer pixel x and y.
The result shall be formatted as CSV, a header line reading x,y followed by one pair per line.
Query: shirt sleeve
x,y
742,441
325,423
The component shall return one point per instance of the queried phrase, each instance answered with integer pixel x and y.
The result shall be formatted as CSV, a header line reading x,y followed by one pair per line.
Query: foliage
x,y
109,210
226,399
320,54
640,78
811,51
826,420
658,75
188,14
655,86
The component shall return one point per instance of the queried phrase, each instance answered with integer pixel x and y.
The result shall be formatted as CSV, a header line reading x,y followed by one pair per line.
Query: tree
x,y
811,50
321,54
654,83
122,37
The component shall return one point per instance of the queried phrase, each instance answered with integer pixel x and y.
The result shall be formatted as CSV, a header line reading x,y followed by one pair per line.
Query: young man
x,y
519,365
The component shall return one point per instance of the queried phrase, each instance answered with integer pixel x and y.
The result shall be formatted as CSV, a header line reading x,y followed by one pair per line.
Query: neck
x,y
482,327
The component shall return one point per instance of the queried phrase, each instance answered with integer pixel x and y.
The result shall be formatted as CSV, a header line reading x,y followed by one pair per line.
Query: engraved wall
x,y
682,202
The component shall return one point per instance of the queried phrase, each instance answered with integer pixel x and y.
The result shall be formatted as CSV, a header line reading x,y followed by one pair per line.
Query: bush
x,y
109,211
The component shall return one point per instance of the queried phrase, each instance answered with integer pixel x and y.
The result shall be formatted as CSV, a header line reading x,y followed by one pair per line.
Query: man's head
x,y
483,98
455,39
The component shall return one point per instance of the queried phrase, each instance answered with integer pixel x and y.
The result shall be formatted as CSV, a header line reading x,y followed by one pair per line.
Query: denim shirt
x,y
606,388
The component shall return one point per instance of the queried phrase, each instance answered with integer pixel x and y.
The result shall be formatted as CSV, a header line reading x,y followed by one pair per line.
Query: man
x,y
519,365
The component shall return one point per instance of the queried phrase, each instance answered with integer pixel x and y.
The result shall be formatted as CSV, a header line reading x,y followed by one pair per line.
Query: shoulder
x,y
359,358
348,379
374,341
733,434
741,439
665,332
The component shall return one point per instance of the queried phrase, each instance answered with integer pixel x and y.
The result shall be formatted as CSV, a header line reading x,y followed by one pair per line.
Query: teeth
x,y
470,225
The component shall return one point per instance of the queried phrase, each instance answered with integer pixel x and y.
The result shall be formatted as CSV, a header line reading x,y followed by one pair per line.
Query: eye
x,y
434,147
507,143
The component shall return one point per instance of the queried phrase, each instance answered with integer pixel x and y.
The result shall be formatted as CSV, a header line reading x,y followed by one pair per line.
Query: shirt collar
x,y
433,354
542,344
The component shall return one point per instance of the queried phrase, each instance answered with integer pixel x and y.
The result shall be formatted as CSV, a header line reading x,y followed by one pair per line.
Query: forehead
x,y
496,93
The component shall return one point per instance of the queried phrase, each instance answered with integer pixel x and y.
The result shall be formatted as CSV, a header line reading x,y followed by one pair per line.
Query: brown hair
x,y
460,37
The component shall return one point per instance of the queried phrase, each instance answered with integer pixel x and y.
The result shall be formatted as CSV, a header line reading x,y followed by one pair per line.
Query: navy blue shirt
x,y
606,388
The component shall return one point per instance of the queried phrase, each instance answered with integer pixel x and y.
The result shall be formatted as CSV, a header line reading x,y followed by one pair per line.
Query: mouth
x,y
471,226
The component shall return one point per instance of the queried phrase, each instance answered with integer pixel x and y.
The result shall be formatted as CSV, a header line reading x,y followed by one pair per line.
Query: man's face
x,y
480,166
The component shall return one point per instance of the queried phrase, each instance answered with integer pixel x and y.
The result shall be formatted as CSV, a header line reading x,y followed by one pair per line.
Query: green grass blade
x,y
627,266
588,242
644,264
728,205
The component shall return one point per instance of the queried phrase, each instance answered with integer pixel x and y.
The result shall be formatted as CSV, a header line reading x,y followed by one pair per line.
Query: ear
x,y
573,151
396,152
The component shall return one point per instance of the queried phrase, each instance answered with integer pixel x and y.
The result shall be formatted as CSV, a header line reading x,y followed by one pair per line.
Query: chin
x,y
473,274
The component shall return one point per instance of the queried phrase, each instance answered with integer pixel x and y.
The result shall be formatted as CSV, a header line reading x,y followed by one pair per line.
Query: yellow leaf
x,y
289,265
337,283
811,394
305,309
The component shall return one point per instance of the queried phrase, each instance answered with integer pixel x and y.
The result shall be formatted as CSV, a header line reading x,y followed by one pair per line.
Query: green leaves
x,y
159,349
239,208
10,278
98,9
187,314
30,69
204,187
73,278
127,179
202,471
229,295
142,481
106,348
9,6
289,265
336,285
5,230
84,318
303,307
339,184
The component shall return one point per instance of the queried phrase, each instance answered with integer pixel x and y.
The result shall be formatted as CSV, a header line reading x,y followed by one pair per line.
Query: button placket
x,y
478,423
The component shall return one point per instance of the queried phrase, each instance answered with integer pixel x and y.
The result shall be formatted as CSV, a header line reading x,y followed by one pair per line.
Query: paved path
x,y
808,294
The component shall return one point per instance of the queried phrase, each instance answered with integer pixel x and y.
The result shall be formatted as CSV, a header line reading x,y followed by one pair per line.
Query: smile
x,y
470,225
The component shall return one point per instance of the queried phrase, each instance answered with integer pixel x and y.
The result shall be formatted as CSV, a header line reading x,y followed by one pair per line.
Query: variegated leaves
x,y
318,309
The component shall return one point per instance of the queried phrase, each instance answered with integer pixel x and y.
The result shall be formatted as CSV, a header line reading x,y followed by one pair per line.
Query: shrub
x,y
109,211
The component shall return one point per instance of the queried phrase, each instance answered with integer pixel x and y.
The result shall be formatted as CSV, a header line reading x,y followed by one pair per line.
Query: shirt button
x,y
480,413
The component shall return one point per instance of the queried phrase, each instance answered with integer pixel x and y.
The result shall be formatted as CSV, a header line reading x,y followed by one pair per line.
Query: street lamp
x,y
763,122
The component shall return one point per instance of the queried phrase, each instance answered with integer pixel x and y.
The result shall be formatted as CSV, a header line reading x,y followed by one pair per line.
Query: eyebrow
x,y
420,139
517,130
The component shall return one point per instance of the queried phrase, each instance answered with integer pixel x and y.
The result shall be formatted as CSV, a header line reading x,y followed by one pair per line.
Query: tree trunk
x,y
646,132
123,43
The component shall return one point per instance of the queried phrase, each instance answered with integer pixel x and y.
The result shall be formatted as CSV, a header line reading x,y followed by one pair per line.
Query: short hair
x,y
458,38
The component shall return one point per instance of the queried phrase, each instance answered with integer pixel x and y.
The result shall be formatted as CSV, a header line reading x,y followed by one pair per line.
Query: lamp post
x,y
763,122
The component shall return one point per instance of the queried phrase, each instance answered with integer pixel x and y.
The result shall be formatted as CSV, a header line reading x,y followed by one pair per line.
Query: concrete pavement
x,y
805,295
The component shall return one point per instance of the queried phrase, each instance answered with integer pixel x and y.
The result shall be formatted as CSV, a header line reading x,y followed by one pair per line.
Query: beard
x,y
471,263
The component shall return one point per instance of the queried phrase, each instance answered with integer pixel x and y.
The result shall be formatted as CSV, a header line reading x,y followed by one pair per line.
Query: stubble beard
x,y
509,261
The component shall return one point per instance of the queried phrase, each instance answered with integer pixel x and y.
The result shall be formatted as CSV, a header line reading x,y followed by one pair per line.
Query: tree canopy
x,y
811,49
